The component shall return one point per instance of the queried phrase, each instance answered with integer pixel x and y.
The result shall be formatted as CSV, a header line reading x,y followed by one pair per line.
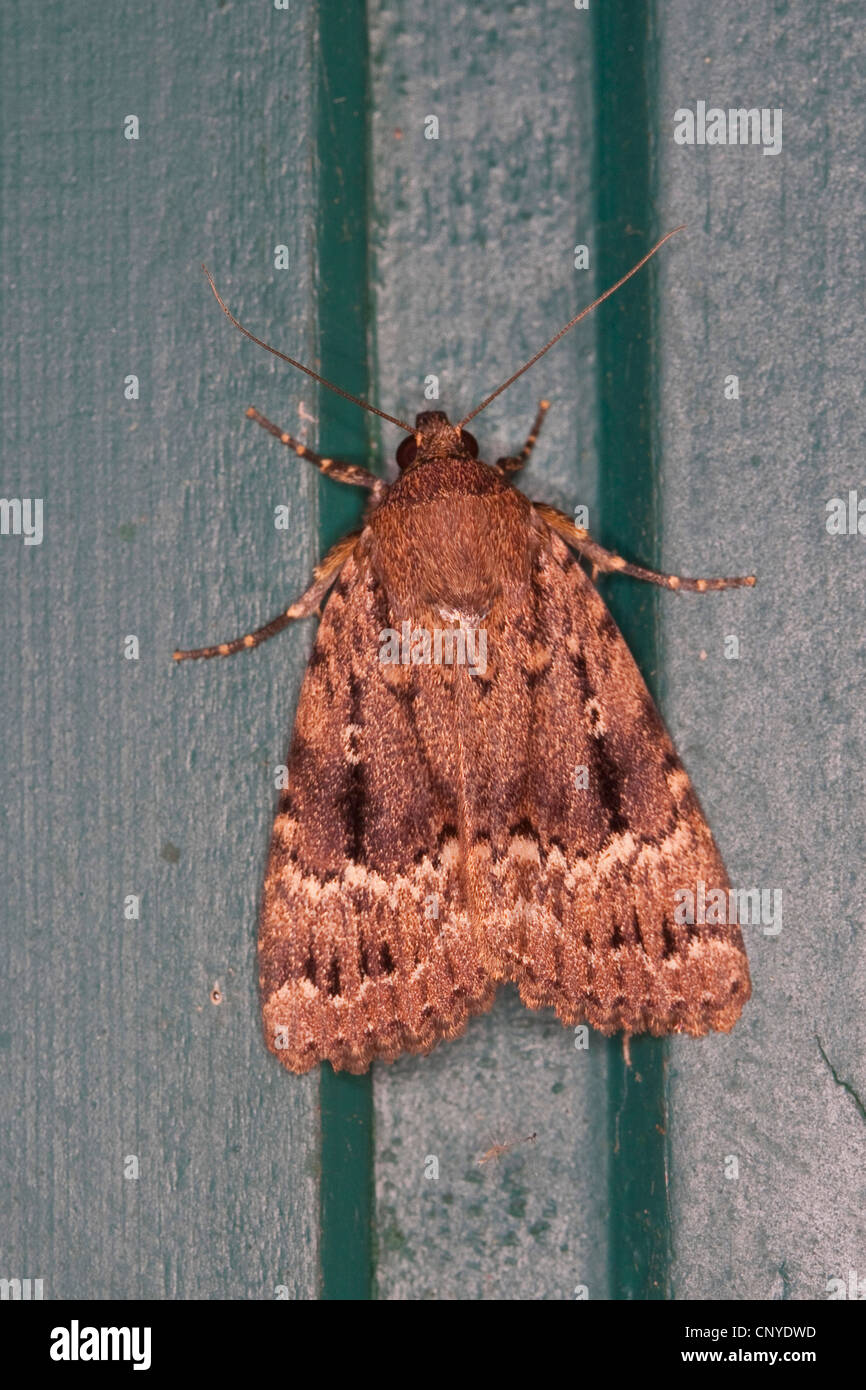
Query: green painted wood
x,y
125,777
343,272
133,777
768,283
624,68
474,238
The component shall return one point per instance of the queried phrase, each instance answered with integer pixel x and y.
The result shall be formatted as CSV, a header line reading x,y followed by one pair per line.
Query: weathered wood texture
x,y
769,285
133,777
766,285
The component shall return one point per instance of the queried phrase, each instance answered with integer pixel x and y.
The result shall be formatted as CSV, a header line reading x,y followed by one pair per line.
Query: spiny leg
x,y
511,465
332,468
607,562
323,577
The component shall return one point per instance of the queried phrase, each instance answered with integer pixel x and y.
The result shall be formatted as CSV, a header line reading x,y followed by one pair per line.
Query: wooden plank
x,y
344,430
638,1228
133,777
474,269
768,284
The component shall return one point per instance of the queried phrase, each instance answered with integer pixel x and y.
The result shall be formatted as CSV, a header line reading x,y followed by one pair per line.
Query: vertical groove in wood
x,y
628,462
346,1101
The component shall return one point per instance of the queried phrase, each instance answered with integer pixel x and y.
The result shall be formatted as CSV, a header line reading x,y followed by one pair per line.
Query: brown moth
x,y
452,824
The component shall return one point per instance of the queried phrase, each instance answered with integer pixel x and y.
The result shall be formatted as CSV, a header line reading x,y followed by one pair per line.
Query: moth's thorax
x,y
444,476
451,536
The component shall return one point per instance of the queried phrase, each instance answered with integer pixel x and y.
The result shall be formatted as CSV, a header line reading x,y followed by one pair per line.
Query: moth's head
x,y
435,438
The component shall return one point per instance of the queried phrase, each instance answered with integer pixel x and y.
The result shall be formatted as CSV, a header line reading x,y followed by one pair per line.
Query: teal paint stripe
x,y
639,1250
346,1101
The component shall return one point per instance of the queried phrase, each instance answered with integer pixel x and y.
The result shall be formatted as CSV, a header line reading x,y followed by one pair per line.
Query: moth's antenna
x,y
347,395
562,332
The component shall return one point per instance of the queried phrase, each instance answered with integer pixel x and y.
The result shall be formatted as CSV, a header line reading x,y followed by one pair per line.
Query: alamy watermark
x,y
448,646
22,516
846,516
852,1287
21,1289
748,907
77,1343
738,125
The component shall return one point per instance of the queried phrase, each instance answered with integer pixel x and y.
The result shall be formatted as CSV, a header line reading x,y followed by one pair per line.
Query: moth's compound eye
x,y
470,442
406,451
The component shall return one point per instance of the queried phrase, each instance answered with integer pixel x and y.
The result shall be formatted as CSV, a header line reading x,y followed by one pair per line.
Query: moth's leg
x,y
332,468
607,562
511,465
323,577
